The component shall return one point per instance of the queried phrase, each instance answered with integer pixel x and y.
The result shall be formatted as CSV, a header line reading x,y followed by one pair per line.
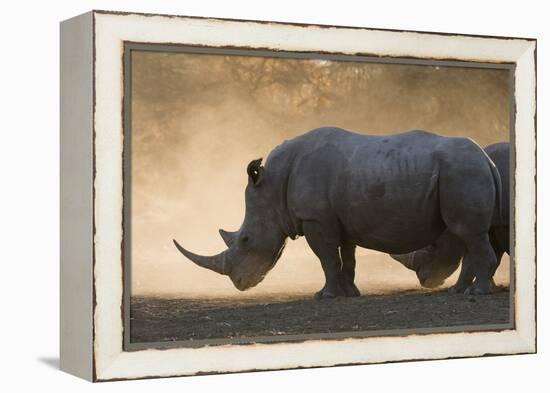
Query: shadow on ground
x,y
52,362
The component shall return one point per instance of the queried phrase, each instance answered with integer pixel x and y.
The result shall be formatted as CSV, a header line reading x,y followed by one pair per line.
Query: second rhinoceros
x,y
395,194
434,263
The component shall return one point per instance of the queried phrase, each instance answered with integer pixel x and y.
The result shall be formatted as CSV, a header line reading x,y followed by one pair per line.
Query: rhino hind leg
x,y
479,262
465,278
468,187
347,274
326,249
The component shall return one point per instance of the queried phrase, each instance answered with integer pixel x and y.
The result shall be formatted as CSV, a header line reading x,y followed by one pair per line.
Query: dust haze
x,y
198,120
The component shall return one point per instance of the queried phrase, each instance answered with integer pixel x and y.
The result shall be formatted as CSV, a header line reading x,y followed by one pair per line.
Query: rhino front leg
x,y
323,244
347,276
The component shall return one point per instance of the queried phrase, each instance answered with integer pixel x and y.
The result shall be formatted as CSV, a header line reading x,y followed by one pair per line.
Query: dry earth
x,y
166,320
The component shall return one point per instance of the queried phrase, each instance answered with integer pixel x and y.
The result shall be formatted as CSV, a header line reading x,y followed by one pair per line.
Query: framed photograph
x,y
247,195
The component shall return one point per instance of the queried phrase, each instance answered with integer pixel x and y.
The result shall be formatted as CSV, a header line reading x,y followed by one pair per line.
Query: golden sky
x,y
197,120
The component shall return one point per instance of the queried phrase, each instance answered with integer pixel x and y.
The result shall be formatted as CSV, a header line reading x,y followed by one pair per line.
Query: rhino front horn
x,y
216,263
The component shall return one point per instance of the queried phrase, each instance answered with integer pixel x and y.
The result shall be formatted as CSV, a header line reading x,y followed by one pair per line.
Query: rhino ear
x,y
255,171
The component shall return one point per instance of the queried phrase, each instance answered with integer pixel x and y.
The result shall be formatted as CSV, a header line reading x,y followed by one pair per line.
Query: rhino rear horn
x,y
228,237
407,260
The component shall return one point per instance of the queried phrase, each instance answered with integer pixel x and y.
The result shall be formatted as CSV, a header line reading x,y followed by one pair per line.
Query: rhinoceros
x,y
340,189
434,263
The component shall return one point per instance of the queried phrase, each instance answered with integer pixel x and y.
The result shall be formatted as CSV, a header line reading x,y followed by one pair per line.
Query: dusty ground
x,y
164,320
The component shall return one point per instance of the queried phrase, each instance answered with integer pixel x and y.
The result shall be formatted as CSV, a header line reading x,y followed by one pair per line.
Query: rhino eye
x,y
245,239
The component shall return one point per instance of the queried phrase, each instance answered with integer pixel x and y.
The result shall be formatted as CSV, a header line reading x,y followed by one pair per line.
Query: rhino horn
x,y
406,260
215,263
228,237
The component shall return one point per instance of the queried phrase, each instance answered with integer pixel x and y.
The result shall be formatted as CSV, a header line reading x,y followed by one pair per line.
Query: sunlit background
x,y
197,120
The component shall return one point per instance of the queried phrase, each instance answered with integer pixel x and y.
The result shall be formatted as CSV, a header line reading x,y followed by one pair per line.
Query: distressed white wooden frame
x,y
108,360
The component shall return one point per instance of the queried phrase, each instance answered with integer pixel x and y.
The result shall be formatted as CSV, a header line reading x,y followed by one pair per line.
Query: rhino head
x,y
436,262
253,250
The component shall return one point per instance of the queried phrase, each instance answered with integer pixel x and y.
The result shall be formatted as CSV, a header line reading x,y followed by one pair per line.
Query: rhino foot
x,y
457,289
351,290
348,286
474,289
329,293
478,289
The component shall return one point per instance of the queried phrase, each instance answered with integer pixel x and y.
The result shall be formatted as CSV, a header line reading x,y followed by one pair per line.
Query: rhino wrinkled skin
x,y
394,193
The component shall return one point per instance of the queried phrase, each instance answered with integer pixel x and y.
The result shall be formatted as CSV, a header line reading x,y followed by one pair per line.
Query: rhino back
x,y
375,188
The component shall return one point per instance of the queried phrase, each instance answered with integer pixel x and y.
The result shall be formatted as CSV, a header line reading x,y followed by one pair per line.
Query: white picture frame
x,y
92,141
